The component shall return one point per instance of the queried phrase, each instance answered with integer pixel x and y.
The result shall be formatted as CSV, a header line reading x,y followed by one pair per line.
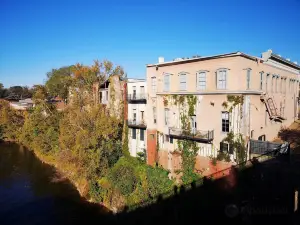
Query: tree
x,y
59,81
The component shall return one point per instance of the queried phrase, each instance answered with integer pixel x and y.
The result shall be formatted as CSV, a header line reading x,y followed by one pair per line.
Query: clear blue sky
x,y
38,35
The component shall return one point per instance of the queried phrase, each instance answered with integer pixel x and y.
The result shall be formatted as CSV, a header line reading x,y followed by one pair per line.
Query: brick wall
x,y
151,147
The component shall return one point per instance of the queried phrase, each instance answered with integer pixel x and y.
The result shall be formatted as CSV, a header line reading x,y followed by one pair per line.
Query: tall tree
x,y
59,81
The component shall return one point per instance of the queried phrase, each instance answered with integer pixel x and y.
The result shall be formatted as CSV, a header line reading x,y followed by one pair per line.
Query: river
x,y
31,192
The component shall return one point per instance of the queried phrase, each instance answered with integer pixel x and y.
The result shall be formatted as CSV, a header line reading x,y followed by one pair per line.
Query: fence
x,y
262,147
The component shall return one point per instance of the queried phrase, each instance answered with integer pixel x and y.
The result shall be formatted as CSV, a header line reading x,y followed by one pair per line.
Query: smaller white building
x,y
137,116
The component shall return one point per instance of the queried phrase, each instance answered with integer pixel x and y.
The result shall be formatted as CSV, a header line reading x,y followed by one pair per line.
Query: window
x,y
134,115
248,78
166,117
280,86
142,115
201,80
101,97
272,81
193,124
276,84
106,95
262,138
261,80
252,134
167,138
182,82
166,82
133,133
221,79
142,92
267,81
224,147
134,92
153,84
154,115
151,136
171,140
142,135
225,122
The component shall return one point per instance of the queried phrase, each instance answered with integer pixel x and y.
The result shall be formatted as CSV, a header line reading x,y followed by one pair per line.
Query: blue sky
x,y
38,35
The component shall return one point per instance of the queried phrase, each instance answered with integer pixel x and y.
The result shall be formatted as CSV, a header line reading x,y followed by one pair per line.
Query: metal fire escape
x,y
271,107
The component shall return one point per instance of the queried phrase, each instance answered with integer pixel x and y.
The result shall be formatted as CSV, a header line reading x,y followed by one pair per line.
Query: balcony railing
x,y
137,97
193,134
137,124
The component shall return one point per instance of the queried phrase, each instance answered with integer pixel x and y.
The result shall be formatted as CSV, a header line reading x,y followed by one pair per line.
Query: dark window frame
x,y
134,133
142,135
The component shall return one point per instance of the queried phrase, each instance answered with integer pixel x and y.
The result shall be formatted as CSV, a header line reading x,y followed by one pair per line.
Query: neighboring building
x,y
269,86
111,93
58,102
23,104
137,115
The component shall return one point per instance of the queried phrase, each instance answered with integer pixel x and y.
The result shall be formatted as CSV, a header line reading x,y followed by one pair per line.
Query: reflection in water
x,y
31,192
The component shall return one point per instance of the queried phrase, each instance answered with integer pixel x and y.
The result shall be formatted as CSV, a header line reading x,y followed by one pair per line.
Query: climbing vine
x,y
236,141
188,148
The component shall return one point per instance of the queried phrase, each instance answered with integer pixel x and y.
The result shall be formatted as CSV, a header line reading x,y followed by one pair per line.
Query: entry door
x,y
193,124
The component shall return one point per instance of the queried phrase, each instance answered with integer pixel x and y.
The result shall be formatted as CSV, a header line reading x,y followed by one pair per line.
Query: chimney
x,y
161,60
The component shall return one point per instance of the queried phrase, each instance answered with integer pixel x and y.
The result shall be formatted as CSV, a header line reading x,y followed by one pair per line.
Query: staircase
x,y
271,107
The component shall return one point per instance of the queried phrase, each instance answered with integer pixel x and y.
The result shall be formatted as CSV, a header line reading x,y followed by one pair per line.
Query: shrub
x,y
158,181
123,176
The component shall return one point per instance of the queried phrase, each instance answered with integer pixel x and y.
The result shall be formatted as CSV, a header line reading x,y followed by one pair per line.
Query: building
x,y
234,92
23,104
112,94
137,116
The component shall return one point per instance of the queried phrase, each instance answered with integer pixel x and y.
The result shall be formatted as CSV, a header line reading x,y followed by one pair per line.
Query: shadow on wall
x,y
264,192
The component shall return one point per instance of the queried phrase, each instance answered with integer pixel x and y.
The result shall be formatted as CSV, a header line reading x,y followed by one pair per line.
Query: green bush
x,y
123,177
96,191
158,181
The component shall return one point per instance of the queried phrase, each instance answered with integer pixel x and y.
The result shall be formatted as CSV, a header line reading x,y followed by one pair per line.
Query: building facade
x,y
137,116
235,92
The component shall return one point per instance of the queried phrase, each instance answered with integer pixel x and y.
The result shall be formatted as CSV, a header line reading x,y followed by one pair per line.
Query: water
x,y
32,193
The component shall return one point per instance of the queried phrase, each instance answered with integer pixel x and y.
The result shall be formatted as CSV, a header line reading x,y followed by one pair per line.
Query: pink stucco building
x,y
269,85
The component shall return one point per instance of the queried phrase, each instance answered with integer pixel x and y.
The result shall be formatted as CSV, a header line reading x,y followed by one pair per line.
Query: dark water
x,y
30,192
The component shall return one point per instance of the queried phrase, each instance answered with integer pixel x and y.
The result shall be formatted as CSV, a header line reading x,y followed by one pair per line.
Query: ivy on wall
x,y
235,141
187,148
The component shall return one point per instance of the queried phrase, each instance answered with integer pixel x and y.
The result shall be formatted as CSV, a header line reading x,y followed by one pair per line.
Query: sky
x,y
39,35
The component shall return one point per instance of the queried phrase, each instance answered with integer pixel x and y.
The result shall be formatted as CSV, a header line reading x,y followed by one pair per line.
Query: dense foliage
x,y
87,143
15,92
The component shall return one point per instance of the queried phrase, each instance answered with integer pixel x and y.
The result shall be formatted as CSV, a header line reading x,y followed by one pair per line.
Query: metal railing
x,y
192,134
136,97
134,122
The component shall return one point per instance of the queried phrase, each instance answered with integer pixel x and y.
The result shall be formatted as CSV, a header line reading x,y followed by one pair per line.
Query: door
x,y
193,125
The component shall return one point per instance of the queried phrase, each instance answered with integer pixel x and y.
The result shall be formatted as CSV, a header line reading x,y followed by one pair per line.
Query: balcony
x,y
141,124
195,135
137,98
